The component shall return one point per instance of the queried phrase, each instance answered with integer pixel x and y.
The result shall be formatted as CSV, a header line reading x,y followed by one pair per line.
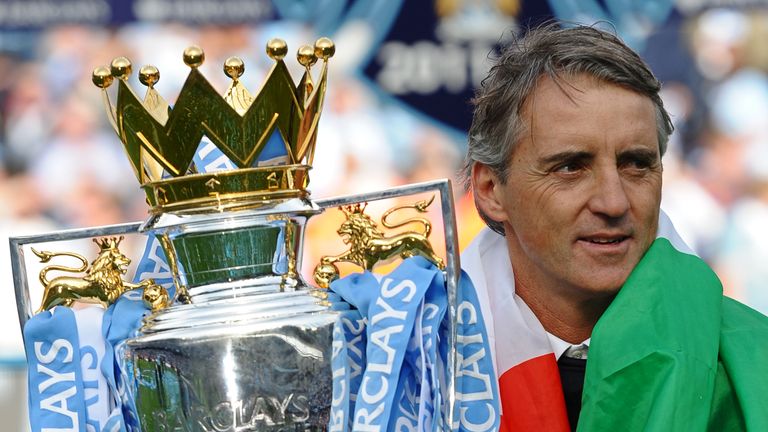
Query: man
x,y
564,161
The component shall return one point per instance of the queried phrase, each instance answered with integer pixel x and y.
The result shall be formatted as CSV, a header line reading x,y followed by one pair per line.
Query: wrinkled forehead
x,y
583,109
571,86
564,92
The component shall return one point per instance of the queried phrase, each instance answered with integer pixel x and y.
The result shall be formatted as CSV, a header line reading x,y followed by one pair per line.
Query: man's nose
x,y
609,197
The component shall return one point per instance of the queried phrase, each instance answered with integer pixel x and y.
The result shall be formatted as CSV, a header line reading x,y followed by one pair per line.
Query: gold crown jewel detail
x,y
161,141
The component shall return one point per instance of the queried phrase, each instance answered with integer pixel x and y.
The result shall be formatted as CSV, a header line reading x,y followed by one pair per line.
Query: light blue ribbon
x,y
418,379
477,390
404,318
121,322
56,392
435,306
153,265
391,313
339,420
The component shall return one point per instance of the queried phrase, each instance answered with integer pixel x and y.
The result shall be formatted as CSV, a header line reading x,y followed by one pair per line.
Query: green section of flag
x,y
672,354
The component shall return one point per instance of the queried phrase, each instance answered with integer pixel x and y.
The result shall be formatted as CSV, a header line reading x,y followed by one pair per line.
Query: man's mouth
x,y
604,240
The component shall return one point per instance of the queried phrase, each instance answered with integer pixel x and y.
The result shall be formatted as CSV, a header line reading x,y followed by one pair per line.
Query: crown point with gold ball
x,y
234,67
306,56
102,77
277,49
160,139
149,75
194,56
121,68
324,48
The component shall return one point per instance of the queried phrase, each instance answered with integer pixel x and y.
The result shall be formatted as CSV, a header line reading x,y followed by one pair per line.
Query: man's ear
x,y
487,188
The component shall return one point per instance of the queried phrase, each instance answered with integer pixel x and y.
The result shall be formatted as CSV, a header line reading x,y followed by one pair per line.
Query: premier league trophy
x,y
244,343
247,345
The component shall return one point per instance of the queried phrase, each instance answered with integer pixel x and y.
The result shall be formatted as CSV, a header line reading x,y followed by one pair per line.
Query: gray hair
x,y
554,52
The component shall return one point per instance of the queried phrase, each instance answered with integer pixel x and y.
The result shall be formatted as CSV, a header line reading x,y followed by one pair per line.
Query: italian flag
x,y
670,353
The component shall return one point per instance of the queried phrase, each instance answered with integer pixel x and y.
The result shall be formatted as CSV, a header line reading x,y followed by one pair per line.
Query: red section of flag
x,y
532,397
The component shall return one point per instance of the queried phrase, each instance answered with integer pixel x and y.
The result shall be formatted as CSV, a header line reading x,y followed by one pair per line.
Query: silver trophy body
x,y
249,345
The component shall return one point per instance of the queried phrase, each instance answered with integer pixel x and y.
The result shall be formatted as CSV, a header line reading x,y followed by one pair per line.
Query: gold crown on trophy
x,y
161,141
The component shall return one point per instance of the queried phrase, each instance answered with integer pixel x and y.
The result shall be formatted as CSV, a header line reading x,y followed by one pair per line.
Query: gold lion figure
x,y
102,282
368,245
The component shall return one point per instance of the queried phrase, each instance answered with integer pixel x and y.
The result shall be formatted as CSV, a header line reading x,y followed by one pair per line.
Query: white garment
x,y
521,336
559,346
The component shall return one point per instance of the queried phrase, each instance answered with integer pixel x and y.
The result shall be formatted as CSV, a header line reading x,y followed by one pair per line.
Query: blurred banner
x,y
429,55
38,14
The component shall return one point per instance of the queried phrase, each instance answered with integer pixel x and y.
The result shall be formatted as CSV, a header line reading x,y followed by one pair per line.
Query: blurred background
x,y
396,111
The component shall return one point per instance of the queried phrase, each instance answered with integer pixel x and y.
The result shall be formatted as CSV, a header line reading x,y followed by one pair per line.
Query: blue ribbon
x,y
154,266
403,316
121,322
390,313
56,392
435,306
339,421
350,328
477,390
414,397
60,398
208,158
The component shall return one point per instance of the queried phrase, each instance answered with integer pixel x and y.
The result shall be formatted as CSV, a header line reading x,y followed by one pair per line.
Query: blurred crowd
x,y
62,166
716,170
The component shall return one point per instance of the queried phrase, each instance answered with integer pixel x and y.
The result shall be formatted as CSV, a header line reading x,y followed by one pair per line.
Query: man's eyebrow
x,y
639,153
567,155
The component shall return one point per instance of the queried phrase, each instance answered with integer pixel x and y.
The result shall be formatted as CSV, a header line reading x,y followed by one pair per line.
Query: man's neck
x,y
572,320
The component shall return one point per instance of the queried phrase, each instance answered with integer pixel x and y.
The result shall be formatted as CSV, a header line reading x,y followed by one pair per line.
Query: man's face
x,y
581,204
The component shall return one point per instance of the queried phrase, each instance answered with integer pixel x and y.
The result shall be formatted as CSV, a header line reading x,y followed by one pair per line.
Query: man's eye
x,y
568,167
638,164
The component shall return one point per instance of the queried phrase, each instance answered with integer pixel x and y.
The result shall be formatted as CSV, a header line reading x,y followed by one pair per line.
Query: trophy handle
x,y
452,264
18,267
